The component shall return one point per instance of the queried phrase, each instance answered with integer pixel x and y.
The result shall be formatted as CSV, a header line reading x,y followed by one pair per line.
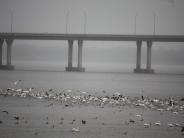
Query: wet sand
x,y
29,117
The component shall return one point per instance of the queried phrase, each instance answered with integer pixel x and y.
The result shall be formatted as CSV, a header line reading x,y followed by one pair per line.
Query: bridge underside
x,y
79,67
8,38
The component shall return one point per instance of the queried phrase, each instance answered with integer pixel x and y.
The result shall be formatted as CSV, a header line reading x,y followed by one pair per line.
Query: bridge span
x,y
8,38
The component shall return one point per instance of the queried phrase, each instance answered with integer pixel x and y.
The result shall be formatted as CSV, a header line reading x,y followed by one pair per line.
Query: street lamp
x,y
154,18
85,21
67,20
135,23
11,20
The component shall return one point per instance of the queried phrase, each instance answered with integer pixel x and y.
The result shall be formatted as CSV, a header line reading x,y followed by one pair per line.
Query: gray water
x,y
127,83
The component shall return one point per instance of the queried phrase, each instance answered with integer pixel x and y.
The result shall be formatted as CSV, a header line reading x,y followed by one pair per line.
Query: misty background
x,y
93,17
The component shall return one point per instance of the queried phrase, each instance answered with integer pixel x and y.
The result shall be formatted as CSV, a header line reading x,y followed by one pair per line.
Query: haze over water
x,y
128,83
41,64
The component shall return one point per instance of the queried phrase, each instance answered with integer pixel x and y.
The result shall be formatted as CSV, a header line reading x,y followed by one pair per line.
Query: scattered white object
x,y
39,97
147,125
18,90
138,115
157,123
69,90
16,82
117,93
75,129
177,125
155,100
175,113
30,89
160,109
170,125
84,92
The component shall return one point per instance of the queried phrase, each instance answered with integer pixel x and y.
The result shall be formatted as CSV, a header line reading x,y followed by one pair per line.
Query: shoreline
x,y
49,117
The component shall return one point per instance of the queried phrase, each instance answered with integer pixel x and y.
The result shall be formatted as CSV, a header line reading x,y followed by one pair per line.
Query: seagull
x,y
131,121
182,129
16,117
5,112
83,122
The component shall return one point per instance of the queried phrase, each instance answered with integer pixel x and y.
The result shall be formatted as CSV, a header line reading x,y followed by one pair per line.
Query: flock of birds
x,y
70,98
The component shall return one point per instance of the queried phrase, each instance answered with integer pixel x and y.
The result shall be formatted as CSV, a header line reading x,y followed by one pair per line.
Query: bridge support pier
x,y
70,55
8,66
148,65
79,67
1,52
80,45
138,60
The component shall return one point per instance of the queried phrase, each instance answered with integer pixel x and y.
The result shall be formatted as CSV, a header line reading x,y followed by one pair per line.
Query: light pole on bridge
x,y
135,23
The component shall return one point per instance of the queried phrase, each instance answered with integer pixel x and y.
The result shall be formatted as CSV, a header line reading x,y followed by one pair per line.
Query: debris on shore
x,y
70,98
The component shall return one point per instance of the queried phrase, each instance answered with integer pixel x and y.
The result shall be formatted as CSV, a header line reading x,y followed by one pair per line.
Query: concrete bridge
x,y
8,38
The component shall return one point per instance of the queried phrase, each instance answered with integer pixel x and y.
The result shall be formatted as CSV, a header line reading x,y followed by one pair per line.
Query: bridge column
x,y
80,45
79,67
70,55
1,52
148,65
138,60
9,43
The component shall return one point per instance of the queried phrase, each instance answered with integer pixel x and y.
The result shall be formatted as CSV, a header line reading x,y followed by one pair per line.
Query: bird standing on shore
x,y
182,129
83,122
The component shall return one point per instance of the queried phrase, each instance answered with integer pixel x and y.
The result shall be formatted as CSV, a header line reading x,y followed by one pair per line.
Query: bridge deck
x,y
92,37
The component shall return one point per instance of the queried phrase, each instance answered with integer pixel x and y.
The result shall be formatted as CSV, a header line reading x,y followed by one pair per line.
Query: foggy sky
x,y
102,17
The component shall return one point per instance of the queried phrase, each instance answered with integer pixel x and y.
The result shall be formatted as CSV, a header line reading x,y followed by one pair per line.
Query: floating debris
x,y
75,129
